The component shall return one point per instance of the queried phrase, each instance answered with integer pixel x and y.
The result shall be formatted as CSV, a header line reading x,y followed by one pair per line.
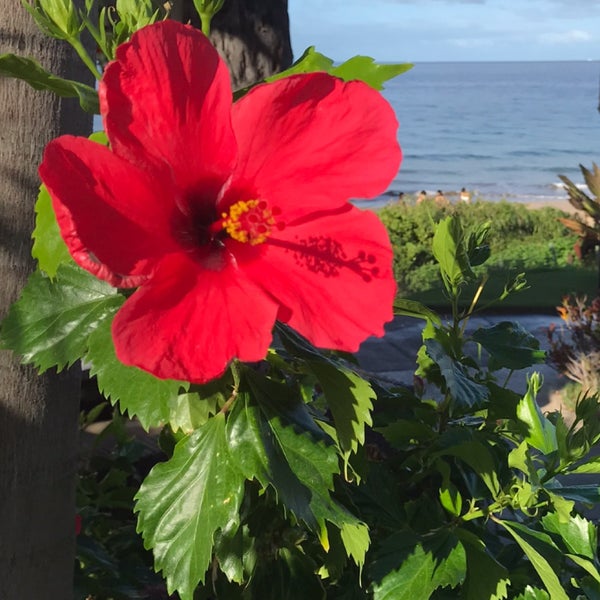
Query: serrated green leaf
x,y
356,540
138,393
274,440
365,69
187,412
48,249
184,501
466,393
50,323
38,78
450,251
533,543
486,578
407,568
361,68
531,593
510,346
541,433
350,399
236,552
578,534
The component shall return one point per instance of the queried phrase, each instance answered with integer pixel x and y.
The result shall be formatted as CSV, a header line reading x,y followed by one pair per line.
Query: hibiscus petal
x,y
166,102
313,140
332,275
188,323
115,220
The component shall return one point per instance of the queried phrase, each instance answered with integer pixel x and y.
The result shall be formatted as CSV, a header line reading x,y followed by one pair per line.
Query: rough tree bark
x,y
38,415
253,36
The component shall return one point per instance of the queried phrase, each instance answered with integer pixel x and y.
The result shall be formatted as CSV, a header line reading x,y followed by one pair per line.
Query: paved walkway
x,y
393,356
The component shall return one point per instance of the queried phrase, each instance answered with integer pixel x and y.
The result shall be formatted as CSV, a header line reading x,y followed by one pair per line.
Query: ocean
x,y
499,129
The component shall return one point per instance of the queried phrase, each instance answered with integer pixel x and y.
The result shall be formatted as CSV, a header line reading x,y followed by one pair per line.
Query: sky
x,y
448,30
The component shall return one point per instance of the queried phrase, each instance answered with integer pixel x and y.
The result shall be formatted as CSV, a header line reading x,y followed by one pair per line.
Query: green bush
x,y
520,239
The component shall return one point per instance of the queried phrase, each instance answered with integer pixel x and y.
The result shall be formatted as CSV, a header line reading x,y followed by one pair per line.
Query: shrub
x,y
520,239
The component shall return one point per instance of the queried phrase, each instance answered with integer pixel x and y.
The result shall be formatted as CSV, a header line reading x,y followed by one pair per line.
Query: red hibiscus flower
x,y
227,217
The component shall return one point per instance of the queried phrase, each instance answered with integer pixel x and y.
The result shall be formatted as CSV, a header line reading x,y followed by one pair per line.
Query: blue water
x,y
502,130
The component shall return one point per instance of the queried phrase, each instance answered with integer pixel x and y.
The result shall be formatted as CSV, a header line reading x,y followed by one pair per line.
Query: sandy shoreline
x,y
560,204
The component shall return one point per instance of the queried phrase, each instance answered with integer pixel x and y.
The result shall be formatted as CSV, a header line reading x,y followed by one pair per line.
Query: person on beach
x,y
421,197
401,198
465,196
440,199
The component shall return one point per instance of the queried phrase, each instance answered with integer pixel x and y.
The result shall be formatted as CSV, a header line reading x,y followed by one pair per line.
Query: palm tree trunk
x,y
253,36
38,415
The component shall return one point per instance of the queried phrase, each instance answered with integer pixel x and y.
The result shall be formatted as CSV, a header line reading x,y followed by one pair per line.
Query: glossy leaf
x,y
486,578
449,249
50,323
37,77
510,346
412,308
532,593
362,68
48,249
274,440
350,399
184,501
533,544
578,534
406,568
139,393
540,432
465,392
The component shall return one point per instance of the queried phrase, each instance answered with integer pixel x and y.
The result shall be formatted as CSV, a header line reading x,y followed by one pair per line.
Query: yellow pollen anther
x,y
249,221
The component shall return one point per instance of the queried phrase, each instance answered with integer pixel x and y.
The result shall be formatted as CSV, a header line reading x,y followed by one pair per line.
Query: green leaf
x,y
541,433
236,552
479,458
407,568
586,564
578,534
274,440
486,578
449,249
531,593
466,393
510,346
184,501
350,399
590,466
362,68
48,249
586,493
291,577
412,308
590,587
533,544
139,393
37,77
50,323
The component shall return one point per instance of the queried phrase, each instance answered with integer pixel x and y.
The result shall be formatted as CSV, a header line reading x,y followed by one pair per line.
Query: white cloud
x,y
565,37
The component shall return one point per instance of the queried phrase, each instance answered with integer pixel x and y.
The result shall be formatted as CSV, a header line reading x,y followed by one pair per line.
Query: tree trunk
x,y
253,36
38,415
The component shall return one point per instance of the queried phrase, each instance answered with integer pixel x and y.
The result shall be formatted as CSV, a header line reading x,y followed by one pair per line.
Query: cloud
x,y
572,36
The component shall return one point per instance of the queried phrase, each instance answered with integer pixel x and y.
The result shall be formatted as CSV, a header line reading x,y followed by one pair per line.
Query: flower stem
x,y
85,57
